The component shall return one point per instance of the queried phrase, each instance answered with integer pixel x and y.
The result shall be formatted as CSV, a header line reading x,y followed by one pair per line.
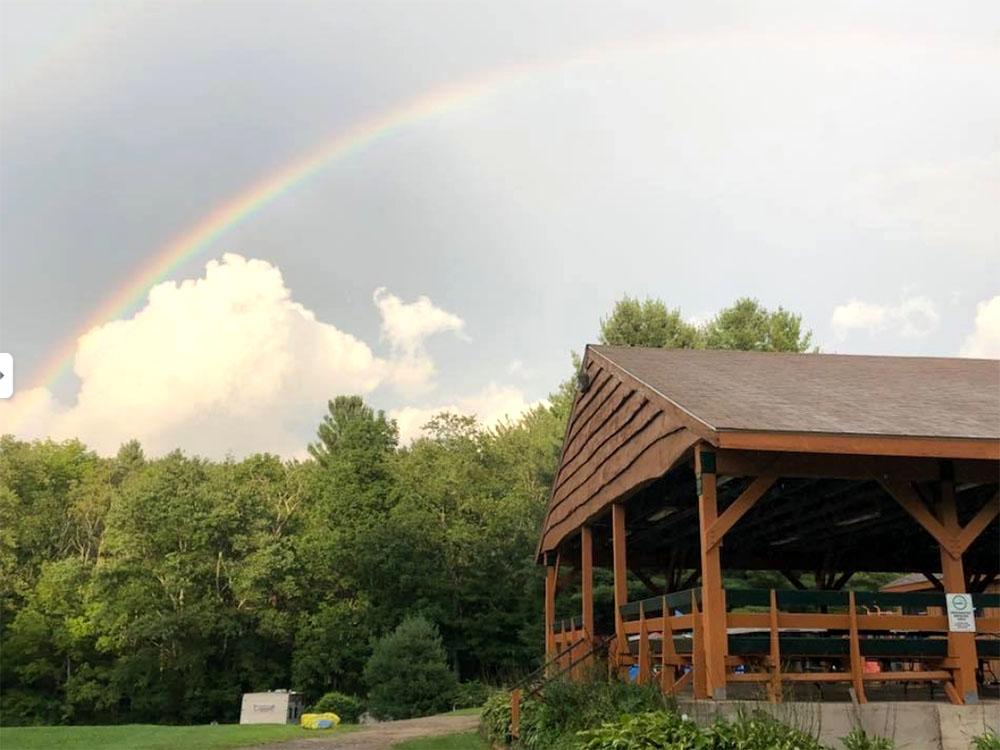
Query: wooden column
x,y
587,581
713,601
550,606
621,579
961,646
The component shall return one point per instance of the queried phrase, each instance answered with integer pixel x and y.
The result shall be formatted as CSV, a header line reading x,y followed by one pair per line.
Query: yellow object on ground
x,y
319,721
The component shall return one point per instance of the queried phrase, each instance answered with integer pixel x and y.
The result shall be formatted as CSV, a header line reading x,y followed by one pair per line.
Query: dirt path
x,y
381,736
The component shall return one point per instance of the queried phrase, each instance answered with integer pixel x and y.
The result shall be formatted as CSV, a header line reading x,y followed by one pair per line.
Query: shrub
x,y
656,729
986,741
759,731
348,707
471,694
668,731
566,708
407,674
858,739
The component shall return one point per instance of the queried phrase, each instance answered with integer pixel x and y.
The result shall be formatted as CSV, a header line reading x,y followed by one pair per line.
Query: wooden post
x,y
699,682
515,713
550,607
621,582
668,660
713,599
857,663
961,646
775,683
587,582
644,660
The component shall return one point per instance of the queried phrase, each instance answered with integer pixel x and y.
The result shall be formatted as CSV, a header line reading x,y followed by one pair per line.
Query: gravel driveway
x,y
381,736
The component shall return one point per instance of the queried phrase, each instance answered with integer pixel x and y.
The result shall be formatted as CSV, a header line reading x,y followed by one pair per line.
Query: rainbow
x,y
232,213
433,104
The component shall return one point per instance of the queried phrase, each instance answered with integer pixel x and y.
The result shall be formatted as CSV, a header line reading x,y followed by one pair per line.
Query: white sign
x,y
961,616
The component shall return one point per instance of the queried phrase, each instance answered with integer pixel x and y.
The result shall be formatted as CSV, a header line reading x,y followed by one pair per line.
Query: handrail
x,y
796,598
594,646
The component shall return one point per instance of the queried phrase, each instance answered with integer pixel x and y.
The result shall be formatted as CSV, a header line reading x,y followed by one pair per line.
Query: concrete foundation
x,y
911,725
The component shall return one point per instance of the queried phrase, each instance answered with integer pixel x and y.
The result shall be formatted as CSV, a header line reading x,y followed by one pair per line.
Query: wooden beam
x,y
550,609
905,494
857,663
979,522
738,508
842,580
713,597
793,578
587,578
620,573
775,655
961,646
742,463
870,445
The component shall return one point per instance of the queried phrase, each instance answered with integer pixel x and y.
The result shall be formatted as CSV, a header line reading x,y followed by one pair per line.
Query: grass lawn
x,y
462,741
151,737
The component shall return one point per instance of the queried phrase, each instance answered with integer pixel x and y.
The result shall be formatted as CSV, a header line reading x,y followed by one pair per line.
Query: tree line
x,y
138,589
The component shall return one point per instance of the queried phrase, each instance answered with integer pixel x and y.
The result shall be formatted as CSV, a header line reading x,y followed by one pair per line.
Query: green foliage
x,y
657,729
566,709
407,674
859,739
749,326
648,322
472,694
986,741
759,731
141,589
746,325
348,707
670,731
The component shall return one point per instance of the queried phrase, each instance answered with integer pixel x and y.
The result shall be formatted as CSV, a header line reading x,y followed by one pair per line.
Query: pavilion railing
x,y
780,636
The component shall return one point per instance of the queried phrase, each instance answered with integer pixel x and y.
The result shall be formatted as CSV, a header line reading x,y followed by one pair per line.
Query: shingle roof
x,y
823,393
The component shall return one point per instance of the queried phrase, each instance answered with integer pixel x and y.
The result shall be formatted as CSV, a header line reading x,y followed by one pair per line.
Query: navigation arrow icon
x,y
6,375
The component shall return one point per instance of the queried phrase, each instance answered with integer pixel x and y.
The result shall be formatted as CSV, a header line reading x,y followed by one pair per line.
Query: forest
x,y
158,589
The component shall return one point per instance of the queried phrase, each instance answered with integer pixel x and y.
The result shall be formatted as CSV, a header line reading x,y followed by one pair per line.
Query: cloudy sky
x,y
541,159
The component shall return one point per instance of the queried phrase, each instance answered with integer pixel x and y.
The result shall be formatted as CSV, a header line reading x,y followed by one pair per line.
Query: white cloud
x,y
493,404
405,327
984,341
227,363
912,317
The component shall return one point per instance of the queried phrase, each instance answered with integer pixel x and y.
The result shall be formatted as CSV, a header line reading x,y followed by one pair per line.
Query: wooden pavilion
x,y
679,466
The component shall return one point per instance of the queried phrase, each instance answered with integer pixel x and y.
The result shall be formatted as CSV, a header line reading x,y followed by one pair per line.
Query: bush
x,y
656,729
471,694
858,739
759,731
408,675
553,721
348,707
668,731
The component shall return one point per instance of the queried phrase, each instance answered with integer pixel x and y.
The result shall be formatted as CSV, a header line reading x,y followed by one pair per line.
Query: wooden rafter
x,y
736,510
954,539
979,522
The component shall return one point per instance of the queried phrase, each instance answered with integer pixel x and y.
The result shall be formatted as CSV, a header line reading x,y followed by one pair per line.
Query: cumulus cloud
x,y
492,405
227,363
405,327
912,317
984,341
